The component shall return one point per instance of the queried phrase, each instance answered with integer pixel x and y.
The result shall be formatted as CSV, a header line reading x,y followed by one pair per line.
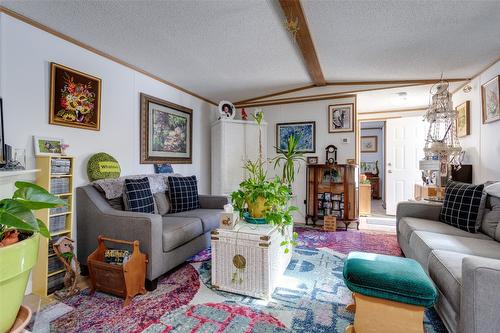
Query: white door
x,y
405,143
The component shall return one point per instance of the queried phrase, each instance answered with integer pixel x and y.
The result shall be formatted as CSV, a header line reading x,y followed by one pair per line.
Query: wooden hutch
x,y
332,189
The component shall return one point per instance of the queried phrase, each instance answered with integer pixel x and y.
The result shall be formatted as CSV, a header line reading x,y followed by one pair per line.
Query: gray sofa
x,y
465,267
167,240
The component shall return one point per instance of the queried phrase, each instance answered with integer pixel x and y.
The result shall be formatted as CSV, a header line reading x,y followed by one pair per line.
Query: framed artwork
x,y
45,146
341,118
371,167
305,131
75,98
369,144
463,119
226,110
312,160
490,94
166,132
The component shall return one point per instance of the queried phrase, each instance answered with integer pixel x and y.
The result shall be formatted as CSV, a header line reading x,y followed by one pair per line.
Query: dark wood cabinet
x,y
375,181
332,190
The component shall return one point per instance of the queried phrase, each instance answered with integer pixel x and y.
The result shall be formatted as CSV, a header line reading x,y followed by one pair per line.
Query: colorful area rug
x,y
312,296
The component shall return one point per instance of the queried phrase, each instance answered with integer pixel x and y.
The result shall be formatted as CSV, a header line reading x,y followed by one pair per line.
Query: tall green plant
x,y
275,192
290,158
17,212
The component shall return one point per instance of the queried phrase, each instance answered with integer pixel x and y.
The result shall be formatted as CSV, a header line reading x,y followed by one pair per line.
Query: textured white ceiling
x,y
239,49
393,99
218,49
397,39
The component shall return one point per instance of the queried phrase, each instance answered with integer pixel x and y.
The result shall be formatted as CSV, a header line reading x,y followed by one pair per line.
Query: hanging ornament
x,y
442,142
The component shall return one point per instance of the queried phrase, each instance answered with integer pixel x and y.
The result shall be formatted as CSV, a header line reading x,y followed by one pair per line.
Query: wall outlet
x,y
345,140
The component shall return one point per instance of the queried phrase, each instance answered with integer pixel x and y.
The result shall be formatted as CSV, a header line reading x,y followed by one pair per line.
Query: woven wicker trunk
x,y
248,260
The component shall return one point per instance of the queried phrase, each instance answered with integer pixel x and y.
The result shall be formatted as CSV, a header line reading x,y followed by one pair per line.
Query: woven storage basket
x,y
254,254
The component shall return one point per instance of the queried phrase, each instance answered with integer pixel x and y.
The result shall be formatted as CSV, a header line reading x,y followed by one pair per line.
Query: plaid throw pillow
x,y
138,196
183,193
463,206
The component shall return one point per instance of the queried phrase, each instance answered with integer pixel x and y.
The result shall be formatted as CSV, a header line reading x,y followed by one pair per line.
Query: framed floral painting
x,y
166,132
463,119
75,98
490,94
369,144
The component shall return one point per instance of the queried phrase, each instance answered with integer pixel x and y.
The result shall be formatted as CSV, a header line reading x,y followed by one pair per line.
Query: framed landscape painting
x,y
305,131
369,144
75,98
463,119
45,146
490,94
341,118
166,132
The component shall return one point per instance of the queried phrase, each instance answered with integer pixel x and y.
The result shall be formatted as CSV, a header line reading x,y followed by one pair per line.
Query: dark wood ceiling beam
x,y
292,9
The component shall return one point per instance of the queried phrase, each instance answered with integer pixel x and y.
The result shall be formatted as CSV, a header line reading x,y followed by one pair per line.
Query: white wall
x,y
482,146
310,111
378,156
25,55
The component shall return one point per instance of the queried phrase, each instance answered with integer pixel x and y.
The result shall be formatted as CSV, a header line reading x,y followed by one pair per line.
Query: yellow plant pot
x,y
258,208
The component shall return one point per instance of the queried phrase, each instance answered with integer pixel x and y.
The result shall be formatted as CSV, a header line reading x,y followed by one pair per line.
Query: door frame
x,y
358,147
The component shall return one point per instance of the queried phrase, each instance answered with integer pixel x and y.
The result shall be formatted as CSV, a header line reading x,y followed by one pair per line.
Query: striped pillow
x,y
463,206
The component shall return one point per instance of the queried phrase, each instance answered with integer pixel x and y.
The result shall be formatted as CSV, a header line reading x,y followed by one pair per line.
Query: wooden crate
x,y
125,280
330,223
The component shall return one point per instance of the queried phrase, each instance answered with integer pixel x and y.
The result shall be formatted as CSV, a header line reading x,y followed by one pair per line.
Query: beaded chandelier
x,y
442,142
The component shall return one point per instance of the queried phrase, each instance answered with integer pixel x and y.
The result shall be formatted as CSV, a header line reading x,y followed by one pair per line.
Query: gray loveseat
x,y
167,240
465,267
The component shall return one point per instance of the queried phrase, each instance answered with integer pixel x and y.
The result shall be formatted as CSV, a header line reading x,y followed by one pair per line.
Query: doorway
x,y
389,154
372,168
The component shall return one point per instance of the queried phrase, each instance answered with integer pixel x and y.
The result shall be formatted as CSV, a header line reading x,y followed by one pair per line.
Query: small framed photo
x,y
226,110
328,196
369,144
463,119
45,146
490,95
341,118
312,160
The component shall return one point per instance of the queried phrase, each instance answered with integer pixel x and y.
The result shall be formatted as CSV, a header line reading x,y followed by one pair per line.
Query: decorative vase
x,y
257,208
16,263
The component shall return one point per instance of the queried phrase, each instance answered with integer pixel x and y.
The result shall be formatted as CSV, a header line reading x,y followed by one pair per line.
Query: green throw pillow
x,y
103,166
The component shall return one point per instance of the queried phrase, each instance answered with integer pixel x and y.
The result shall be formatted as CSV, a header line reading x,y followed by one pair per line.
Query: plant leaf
x,y
35,197
15,214
42,228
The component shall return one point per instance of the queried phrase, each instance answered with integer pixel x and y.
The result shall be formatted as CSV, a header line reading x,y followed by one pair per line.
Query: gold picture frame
x,y
369,144
463,119
166,132
341,118
75,98
490,100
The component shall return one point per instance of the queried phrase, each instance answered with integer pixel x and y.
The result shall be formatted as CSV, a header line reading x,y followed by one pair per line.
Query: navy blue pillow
x,y
183,192
138,196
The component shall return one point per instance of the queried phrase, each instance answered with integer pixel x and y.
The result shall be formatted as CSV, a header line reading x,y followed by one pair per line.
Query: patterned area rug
x,y
312,296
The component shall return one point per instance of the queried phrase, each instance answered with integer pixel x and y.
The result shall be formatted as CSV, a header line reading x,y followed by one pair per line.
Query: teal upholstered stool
x,y
390,293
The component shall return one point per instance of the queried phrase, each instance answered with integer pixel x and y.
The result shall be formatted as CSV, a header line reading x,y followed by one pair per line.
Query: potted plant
x,y
260,200
19,237
290,157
